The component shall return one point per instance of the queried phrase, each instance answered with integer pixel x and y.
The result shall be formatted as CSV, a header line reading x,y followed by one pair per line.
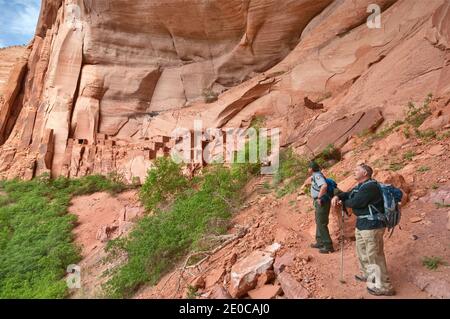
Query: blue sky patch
x,y
18,19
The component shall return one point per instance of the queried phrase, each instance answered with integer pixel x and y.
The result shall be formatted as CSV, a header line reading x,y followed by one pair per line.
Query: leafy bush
x,y
426,135
409,155
330,153
162,183
423,169
417,115
444,136
396,166
35,234
432,263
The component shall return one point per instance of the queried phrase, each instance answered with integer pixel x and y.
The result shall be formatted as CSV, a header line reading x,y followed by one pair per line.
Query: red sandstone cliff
x,y
104,81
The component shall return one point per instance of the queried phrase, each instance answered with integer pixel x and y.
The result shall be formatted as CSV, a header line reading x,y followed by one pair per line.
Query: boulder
x,y
392,178
266,278
265,292
287,259
245,273
199,282
214,277
291,287
436,150
218,292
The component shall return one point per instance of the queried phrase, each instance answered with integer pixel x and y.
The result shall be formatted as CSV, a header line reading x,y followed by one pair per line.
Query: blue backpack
x,y
392,196
331,186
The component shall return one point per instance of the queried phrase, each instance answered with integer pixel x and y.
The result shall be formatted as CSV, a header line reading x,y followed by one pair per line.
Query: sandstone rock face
x,y
8,58
108,78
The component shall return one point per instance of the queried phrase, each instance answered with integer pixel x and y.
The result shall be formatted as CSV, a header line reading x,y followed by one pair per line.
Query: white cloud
x,y
18,21
26,20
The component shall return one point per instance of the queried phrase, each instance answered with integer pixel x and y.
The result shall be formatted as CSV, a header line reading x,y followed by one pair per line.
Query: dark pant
x,y
322,217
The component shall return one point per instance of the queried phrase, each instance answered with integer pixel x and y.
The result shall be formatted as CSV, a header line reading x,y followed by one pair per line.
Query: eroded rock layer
x,y
105,82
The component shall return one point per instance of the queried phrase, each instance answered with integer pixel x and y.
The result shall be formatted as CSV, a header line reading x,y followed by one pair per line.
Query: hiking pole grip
x,y
342,243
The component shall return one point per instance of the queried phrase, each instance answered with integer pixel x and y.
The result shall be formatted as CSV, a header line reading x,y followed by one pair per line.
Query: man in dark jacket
x,y
365,198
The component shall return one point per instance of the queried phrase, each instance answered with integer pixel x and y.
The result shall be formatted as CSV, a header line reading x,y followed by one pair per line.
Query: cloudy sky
x,y
18,20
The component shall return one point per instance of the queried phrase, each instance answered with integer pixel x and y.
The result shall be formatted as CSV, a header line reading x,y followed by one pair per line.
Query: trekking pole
x,y
342,281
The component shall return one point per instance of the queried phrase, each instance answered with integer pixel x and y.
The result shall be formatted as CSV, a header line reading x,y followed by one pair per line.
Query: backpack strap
x,y
313,182
378,216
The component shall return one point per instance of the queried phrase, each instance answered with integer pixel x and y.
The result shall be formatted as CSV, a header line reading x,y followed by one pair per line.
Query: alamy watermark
x,y
374,20
227,145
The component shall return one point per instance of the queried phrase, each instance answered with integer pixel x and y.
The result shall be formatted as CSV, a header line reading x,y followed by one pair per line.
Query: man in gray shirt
x,y
322,204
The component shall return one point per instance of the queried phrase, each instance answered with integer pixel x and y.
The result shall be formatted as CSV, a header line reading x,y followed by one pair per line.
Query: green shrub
x,y
423,169
406,132
432,263
163,182
409,155
417,115
330,153
396,166
36,241
444,136
426,135
192,292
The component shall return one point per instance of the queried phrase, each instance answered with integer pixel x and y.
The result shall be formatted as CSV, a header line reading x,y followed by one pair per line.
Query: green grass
x,y
441,205
426,135
423,169
443,136
373,137
396,166
36,243
192,292
409,155
432,263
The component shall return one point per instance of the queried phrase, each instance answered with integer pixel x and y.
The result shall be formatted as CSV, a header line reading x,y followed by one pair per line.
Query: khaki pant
x,y
370,250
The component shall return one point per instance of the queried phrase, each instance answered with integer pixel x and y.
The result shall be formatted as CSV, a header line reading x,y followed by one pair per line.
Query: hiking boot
x,y
324,250
378,292
361,278
316,245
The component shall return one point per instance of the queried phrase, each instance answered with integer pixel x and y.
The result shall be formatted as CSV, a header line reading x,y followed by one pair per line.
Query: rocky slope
x,y
266,253
104,82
